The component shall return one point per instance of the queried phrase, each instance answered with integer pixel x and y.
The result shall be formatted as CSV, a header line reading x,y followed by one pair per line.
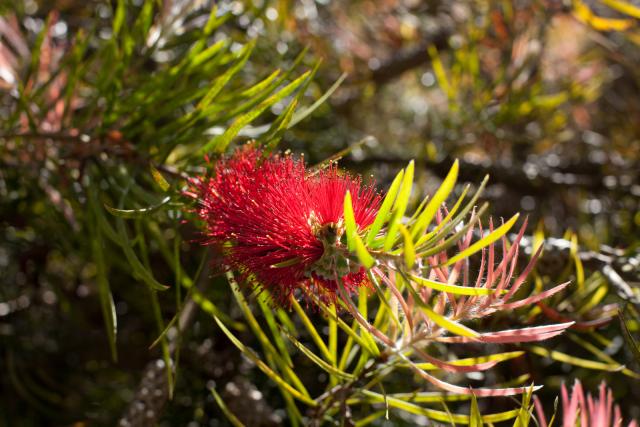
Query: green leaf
x,y
576,361
628,337
354,242
449,224
137,213
370,418
273,136
225,410
139,270
263,366
440,72
243,56
385,208
454,238
524,413
452,289
625,7
368,345
269,349
159,179
317,360
219,144
485,241
425,218
315,336
104,292
267,312
433,414
400,206
442,321
475,418
448,324
303,114
409,250
470,361
119,17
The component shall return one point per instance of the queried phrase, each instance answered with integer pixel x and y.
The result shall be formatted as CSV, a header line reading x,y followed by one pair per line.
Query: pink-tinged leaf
x,y
534,298
510,257
478,392
535,333
394,290
490,271
542,420
578,325
361,320
525,273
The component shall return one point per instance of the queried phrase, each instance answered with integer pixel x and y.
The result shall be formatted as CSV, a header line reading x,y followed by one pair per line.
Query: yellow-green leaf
x,y
425,218
470,361
452,289
409,249
263,366
354,241
159,179
400,206
624,7
448,324
485,241
225,409
385,208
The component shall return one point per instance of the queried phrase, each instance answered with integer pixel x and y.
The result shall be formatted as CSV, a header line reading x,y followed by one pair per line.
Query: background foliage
x,y
106,108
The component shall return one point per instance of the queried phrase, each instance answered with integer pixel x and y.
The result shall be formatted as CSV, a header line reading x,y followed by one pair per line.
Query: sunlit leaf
x,y
433,414
475,418
219,144
485,241
408,248
400,206
623,6
584,14
385,208
452,289
576,361
301,115
137,213
263,366
317,360
354,241
445,189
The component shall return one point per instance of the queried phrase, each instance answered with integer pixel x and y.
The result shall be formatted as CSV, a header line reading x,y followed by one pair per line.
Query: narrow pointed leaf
x,y
452,289
385,208
400,206
485,241
301,115
408,249
471,361
354,242
159,179
445,189
331,370
220,143
263,366
448,324
225,409
137,213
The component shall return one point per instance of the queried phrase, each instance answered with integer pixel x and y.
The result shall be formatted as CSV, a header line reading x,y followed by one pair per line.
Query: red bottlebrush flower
x,y
281,227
